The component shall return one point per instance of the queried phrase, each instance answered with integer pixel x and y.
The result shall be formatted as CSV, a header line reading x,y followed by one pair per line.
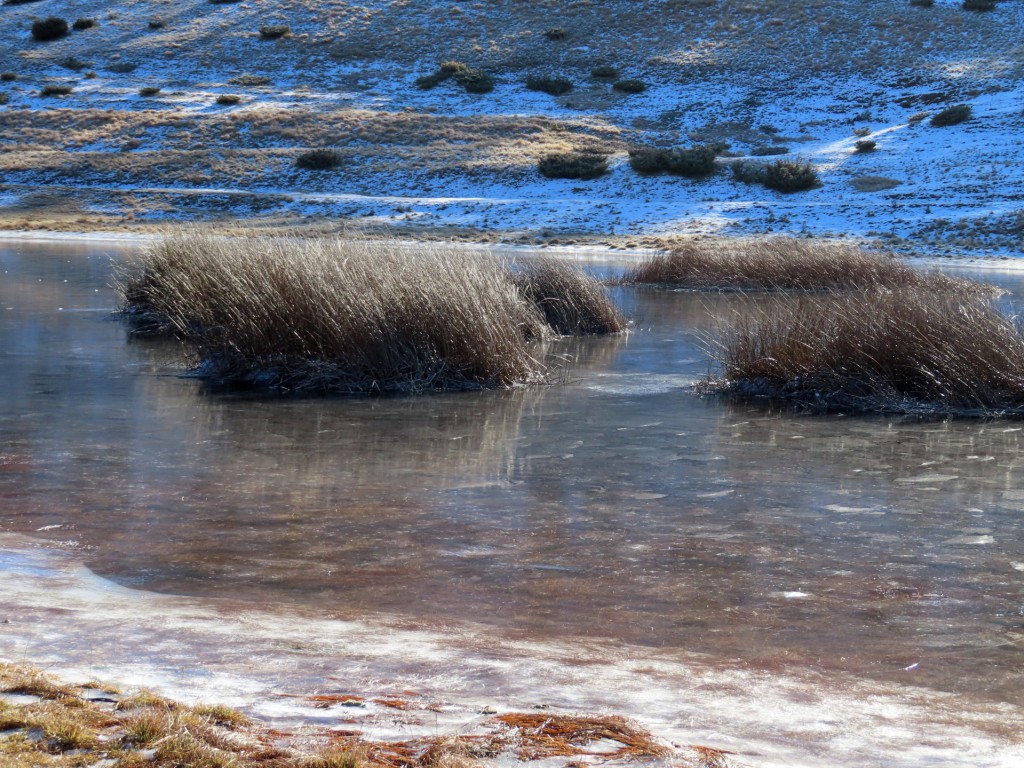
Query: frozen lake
x,y
791,564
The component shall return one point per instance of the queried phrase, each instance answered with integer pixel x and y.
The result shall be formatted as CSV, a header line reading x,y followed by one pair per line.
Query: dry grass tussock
x,y
341,316
572,302
539,736
524,736
67,725
915,351
784,263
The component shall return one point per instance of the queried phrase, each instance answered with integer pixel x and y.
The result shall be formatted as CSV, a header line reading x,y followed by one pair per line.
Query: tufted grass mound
x,y
572,302
350,317
915,351
787,264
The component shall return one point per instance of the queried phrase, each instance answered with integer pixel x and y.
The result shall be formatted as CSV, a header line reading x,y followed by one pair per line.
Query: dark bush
x,y
319,159
790,176
55,90
923,3
958,113
426,82
251,80
767,150
604,72
472,80
84,24
51,28
647,160
865,145
228,99
557,33
156,24
122,67
149,90
8,77
692,162
19,2
979,5
573,165
749,172
629,86
555,86
475,81
74,64
274,31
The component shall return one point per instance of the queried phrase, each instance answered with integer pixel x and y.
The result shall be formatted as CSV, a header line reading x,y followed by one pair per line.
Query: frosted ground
x,y
220,651
812,77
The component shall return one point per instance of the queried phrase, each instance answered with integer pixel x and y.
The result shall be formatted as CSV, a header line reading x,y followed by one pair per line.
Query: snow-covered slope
x,y
813,78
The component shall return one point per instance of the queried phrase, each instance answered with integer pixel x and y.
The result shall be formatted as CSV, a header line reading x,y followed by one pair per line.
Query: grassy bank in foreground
x,y
49,724
919,350
356,317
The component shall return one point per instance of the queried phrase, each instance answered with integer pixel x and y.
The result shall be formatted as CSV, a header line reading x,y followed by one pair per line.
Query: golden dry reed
x,y
783,263
573,303
919,350
343,315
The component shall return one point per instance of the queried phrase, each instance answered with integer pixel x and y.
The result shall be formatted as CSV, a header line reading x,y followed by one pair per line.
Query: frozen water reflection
x,y
615,507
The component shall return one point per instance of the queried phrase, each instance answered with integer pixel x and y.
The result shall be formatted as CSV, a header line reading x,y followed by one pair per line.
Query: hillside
x,y
808,79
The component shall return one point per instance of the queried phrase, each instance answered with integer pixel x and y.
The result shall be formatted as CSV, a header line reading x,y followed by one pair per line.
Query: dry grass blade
x,y
16,678
709,757
338,757
220,714
545,735
338,315
144,698
913,351
572,302
783,263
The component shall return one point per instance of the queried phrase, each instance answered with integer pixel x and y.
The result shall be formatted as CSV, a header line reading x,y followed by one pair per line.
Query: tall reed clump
x,y
338,316
572,302
917,350
784,263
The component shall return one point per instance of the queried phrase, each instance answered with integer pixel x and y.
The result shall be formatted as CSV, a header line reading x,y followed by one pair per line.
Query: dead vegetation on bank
x,y
55,725
539,735
786,264
357,317
919,350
